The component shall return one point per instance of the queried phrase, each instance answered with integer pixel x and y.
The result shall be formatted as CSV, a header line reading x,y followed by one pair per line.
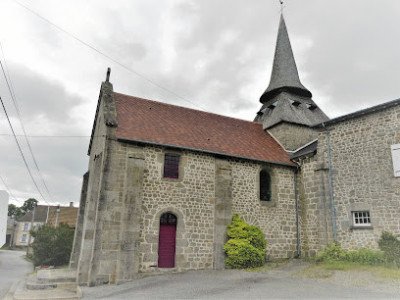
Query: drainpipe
x,y
328,145
296,196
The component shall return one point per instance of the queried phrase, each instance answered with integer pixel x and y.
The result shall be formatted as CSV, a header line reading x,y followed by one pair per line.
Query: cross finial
x,y
282,5
108,74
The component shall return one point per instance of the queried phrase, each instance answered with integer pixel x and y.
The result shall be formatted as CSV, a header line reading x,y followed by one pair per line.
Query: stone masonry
x,y
118,225
363,178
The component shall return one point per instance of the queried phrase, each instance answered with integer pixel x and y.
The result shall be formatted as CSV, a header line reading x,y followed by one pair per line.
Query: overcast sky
x,y
214,55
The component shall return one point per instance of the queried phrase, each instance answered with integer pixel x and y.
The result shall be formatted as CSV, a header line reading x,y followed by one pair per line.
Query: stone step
x,y
22,293
56,275
37,285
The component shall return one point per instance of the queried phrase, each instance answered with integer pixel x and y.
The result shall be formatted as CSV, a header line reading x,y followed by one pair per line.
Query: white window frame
x,y
361,215
24,238
26,227
396,159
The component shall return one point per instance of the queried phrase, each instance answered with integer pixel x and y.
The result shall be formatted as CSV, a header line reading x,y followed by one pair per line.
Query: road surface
x,y
12,269
233,284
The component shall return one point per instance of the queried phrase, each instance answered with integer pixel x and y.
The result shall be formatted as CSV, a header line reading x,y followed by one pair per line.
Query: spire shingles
x,y
284,75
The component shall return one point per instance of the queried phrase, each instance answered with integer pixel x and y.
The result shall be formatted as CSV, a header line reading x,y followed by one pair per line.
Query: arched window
x,y
265,186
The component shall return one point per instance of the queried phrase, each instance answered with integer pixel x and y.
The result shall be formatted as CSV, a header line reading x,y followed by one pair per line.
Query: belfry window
x,y
265,186
171,166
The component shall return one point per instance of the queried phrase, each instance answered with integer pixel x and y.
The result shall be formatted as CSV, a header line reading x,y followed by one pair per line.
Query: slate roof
x,y
284,74
310,148
359,113
40,215
152,122
281,108
286,99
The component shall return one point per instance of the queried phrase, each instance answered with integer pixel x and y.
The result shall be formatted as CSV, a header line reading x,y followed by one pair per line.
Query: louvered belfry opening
x,y
167,241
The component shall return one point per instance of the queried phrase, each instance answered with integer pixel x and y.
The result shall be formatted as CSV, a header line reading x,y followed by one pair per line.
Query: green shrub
x,y
334,253
246,245
241,254
390,245
366,257
52,246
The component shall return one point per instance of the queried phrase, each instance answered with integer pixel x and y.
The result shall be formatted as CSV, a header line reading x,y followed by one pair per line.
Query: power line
x,y
9,191
20,151
14,99
52,136
107,56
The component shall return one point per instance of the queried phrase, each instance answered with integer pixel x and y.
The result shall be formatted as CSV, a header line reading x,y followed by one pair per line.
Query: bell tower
x,y
288,111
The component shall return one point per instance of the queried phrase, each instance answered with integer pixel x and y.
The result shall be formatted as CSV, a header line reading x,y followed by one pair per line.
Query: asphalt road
x,y
231,284
12,269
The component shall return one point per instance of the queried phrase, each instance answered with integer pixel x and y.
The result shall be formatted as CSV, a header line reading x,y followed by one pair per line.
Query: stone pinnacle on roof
x,y
284,76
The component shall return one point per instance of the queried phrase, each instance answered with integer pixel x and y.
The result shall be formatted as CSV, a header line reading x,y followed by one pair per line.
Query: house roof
x,y
67,215
40,215
152,122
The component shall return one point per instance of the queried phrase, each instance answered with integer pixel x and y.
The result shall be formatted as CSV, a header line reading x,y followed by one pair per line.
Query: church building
x,y
164,180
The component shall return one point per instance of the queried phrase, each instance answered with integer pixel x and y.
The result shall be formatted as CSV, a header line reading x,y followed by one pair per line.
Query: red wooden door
x,y
166,246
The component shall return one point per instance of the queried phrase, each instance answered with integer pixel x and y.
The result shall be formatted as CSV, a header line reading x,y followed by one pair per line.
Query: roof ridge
x,y
188,108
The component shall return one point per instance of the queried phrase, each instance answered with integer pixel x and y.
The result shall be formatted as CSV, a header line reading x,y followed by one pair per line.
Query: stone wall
x,y
126,222
314,206
293,136
276,218
363,178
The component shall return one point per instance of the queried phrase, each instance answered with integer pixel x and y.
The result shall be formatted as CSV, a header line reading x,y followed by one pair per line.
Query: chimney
x,y
71,204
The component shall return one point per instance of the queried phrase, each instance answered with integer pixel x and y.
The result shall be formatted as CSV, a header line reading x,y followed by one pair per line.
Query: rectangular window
x,y
361,219
26,227
396,159
23,238
171,166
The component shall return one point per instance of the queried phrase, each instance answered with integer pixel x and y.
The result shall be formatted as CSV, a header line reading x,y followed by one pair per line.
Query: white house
x,y
3,216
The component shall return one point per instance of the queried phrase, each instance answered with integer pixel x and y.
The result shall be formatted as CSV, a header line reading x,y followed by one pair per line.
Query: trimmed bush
x,y
390,245
246,245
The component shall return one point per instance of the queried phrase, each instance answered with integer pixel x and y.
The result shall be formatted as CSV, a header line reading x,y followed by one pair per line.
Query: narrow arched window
x,y
265,186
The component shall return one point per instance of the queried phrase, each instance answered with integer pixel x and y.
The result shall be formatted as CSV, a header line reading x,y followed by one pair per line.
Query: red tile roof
x,y
160,123
66,215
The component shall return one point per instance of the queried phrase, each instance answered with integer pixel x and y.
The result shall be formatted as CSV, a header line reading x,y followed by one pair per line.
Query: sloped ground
x,y
293,280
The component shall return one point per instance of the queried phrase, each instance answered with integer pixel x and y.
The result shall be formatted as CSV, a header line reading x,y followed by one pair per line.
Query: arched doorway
x,y
167,241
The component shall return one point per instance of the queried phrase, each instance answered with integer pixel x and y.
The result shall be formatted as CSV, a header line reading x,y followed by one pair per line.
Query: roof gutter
x,y
359,113
204,151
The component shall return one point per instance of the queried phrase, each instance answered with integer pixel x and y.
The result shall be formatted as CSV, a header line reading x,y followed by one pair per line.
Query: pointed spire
x,y
284,76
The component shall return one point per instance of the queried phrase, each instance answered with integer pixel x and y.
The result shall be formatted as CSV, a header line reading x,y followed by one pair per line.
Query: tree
x,y
52,246
14,211
28,205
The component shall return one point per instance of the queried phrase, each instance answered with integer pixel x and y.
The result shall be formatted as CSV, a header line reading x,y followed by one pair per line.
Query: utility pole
x,y
33,219
57,211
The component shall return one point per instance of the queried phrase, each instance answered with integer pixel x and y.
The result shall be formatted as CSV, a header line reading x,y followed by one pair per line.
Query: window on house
x,y
361,219
171,166
23,238
265,186
26,227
